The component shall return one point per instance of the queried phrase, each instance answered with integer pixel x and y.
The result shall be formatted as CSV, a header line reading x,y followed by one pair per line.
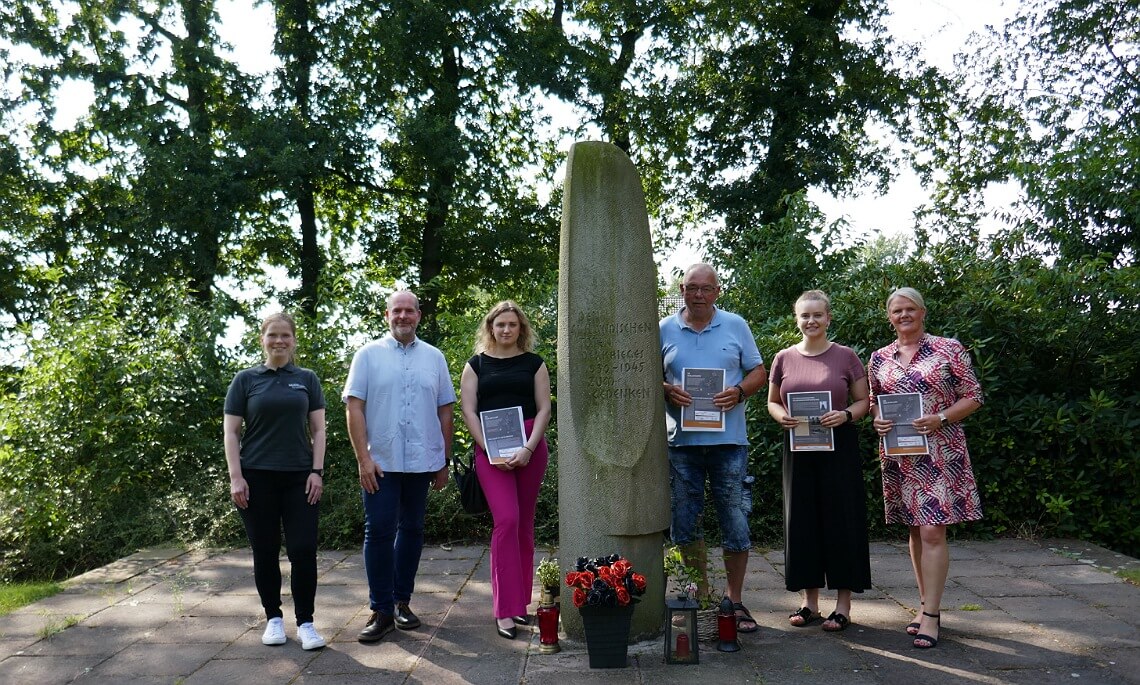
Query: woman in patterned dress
x,y
931,491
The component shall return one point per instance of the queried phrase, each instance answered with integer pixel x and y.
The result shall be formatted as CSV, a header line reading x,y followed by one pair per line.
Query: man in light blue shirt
x,y
705,337
399,401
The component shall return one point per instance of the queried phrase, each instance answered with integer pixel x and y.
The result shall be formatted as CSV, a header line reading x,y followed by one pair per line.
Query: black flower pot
x,y
607,634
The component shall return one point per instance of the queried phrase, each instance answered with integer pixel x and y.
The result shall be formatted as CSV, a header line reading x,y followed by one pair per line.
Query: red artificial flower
x,y
622,596
607,574
638,582
582,579
622,567
585,580
579,597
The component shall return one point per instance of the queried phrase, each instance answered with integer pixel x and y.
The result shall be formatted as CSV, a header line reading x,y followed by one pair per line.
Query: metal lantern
x,y
682,645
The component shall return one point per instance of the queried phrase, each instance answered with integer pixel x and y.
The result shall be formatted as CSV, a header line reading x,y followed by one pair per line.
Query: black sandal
x,y
838,618
808,617
745,617
913,628
932,641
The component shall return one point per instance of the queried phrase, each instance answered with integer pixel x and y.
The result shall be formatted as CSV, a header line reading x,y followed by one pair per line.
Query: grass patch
x,y
971,607
1131,575
15,595
53,627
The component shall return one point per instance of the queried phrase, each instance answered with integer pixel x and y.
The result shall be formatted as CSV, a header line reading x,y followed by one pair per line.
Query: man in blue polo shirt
x,y
399,401
702,336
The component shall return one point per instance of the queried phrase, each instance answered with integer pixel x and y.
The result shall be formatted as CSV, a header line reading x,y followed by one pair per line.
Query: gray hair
x,y
701,266
910,294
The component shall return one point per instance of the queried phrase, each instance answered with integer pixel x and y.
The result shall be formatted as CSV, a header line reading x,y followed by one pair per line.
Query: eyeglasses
x,y
702,289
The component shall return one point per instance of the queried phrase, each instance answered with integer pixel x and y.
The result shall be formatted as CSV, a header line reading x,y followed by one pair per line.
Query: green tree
x,y
785,97
150,185
1053,106
448,187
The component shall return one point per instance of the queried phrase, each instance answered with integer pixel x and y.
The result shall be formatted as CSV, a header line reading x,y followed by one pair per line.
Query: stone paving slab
x,y
1015,611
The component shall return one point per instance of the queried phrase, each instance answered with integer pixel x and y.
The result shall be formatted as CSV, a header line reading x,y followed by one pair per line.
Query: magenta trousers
x,y
512,496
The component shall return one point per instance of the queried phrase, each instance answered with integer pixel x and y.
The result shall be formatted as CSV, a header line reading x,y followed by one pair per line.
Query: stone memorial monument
x,y
613,468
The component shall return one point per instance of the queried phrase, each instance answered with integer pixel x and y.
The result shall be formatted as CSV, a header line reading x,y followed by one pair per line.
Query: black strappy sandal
x,y
913,628
932,642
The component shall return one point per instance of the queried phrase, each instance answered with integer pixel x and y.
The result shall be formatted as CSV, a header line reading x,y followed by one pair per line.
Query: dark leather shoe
x,y
379,625
405,619
521,620
508,633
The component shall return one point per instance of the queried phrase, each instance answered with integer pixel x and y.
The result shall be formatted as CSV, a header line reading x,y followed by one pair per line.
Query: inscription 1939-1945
x,y
610,376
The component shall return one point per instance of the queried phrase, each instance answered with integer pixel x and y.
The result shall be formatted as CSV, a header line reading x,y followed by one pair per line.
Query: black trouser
x,y
276,499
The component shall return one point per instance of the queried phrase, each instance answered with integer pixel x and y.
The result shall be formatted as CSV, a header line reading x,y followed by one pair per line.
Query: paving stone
x,y
1073,575
15,645
1049,609
34,669
1039,616
32,622
188,629
1005,586
76,603
85,639
244,671
145,659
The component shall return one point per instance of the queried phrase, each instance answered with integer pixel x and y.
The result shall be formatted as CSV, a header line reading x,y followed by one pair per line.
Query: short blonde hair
x,y
485,336
814,296
910,294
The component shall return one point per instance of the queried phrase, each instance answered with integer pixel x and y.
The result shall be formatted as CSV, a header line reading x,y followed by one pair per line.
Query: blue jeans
x,y
394,537
724,466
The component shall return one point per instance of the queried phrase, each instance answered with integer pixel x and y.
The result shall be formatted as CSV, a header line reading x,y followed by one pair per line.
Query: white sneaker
x,y
309,637
274,632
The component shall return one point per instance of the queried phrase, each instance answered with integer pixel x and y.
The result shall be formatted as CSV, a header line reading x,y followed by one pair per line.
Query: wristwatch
x,y
943,419
739,389
850,419
319,472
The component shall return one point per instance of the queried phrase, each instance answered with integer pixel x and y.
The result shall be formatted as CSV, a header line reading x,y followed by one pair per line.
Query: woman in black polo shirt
x,y
276,467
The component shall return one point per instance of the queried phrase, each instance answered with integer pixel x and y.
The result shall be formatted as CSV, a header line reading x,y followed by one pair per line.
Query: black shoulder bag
x,y
471,496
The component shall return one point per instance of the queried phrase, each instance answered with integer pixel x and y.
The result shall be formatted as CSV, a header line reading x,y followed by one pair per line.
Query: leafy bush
x,y
109,439
1054,449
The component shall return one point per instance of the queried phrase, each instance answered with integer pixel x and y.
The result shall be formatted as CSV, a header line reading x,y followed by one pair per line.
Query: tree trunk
x,y
441,188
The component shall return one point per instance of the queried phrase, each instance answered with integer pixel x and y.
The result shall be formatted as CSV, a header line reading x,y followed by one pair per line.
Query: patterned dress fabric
x,y
936,488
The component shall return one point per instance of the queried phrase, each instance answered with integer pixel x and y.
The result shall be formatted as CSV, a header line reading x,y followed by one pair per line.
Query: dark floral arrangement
x,y
605,581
